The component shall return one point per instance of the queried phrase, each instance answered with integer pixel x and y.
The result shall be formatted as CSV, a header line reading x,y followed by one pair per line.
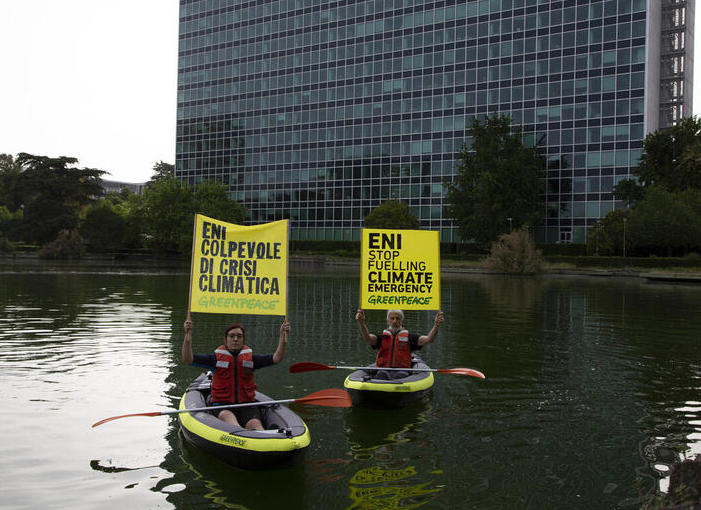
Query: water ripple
x,y
591,394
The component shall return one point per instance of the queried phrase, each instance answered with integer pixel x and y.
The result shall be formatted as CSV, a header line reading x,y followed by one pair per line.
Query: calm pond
x,y
593,390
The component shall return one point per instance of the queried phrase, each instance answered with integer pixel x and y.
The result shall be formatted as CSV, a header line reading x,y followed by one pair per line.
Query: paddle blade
x,y
308,366
329,398
156,413
463,371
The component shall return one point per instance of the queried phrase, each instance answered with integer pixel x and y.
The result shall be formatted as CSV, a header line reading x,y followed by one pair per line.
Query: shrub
x,y
515,253
5,245
103,228
392,214
67,245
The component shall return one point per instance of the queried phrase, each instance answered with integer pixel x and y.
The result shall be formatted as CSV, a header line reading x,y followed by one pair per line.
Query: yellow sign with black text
x,y
400,269
239,269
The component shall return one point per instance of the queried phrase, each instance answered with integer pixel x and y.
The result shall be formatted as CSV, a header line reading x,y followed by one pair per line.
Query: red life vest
x,y
394,350
233,379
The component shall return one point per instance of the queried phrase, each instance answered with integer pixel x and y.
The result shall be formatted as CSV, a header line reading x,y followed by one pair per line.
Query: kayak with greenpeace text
x,y
282,444
373,387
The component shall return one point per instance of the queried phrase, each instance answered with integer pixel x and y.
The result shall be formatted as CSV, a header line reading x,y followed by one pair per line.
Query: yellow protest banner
x,y
238,269
400,269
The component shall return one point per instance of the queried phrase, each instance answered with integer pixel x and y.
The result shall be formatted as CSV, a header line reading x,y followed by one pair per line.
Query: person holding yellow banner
x,y
395,344
233,364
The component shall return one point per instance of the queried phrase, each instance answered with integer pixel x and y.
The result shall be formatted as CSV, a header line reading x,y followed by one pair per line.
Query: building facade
x,y
118,186
320,110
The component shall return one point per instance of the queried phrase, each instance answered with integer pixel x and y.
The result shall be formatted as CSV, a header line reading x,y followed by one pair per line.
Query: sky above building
x,y
97,80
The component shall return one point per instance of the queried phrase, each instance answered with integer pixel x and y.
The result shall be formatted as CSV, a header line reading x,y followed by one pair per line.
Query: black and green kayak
x,y
282,444
368,391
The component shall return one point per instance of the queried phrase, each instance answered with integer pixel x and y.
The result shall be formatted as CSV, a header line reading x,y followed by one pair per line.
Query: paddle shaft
x,y
228,406
310,366
390,368
329,398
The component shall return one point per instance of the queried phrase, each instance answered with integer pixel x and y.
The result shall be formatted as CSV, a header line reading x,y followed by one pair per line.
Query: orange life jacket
x,y
394,350
232,382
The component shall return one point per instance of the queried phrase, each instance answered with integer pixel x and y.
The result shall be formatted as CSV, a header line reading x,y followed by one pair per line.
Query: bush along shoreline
x,y
674,268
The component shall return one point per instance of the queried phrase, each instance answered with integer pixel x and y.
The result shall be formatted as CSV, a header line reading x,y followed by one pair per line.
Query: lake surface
x,y
593,390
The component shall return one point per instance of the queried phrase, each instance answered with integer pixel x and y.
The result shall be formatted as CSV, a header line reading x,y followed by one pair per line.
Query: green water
x,y
592,392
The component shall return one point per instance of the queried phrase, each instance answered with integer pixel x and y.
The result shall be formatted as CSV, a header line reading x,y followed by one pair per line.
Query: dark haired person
x,y
395,344
233,364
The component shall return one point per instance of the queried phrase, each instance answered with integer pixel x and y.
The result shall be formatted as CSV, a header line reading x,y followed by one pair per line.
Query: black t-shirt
x,y
210,361
413,341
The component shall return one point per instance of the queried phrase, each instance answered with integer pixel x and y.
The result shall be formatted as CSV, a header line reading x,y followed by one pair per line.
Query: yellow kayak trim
x,y
405,387
267,444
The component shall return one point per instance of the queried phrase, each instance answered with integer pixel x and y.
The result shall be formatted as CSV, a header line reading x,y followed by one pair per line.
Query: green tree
x,y
168,209
53,193
167,216
608,237
118,197
671,159
212,199
498,177
161,171
8,222
5,213
132,208
667,220
10,177
668,158
629,191
103,228
691,162
393,214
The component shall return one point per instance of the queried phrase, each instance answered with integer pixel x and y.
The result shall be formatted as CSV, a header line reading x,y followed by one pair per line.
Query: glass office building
x,y
321,110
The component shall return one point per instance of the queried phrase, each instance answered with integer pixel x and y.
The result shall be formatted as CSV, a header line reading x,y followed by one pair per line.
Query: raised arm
x,y
187,342
427,339
282,344
367,336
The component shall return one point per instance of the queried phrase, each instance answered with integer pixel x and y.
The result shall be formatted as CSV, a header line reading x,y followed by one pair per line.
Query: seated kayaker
x,y
233,364
395,344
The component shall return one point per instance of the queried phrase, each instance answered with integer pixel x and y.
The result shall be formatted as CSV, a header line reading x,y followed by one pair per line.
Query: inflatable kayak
x,y
368,391
282,444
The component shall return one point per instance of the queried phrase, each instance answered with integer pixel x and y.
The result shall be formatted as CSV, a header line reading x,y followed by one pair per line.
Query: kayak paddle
x,y
328,398
310,366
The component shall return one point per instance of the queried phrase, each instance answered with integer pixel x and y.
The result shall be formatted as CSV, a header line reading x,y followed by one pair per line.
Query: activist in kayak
x,y
395,344
233,364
